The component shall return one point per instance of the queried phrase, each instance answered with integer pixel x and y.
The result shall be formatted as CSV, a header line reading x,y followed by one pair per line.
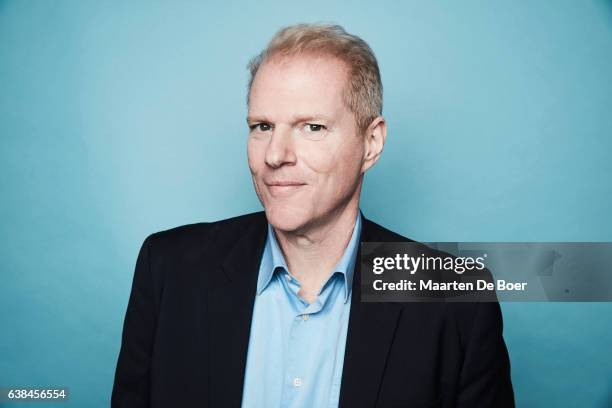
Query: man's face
x,y
305,154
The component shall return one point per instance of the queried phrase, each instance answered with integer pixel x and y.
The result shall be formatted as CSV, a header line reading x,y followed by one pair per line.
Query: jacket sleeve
x,y
485,376
131,386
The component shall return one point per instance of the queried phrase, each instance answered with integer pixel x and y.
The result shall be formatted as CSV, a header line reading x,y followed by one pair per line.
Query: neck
x,y
312,252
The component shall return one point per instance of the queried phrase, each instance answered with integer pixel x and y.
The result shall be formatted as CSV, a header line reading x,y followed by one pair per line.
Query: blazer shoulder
x,y
374,232
205,234
462,314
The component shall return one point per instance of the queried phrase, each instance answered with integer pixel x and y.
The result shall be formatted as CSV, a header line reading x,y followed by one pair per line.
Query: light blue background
x,y
118,119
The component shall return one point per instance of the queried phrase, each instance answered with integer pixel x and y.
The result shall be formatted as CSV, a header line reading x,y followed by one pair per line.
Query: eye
x,y
262,127
313,127
313,131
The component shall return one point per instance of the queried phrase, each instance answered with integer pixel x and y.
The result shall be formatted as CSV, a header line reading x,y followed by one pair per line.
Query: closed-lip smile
x,y
284,183
283,188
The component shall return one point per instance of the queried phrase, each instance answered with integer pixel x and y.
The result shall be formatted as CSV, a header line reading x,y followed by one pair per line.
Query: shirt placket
x,y
295,385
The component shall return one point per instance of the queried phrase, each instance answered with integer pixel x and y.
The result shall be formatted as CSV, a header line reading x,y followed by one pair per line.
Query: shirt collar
x,y
273,259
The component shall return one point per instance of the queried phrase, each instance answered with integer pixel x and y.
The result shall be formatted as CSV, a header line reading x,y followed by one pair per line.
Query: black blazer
x,y
186,331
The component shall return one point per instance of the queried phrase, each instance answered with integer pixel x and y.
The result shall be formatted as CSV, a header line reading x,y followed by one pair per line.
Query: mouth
x,y
283,188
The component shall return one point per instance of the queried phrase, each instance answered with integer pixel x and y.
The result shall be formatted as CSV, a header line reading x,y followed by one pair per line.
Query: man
x,y
264,310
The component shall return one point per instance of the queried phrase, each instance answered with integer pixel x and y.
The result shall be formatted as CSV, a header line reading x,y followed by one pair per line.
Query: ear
x,y
374,141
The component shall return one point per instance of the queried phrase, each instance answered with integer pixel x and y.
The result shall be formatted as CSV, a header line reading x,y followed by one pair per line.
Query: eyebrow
x,y
251,119
295,119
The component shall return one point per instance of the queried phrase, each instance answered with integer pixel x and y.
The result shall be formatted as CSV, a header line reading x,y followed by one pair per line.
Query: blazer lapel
x,y
231,297
370,334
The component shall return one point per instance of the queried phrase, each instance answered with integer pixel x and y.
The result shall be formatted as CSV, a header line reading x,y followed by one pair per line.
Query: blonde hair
x,y
363,92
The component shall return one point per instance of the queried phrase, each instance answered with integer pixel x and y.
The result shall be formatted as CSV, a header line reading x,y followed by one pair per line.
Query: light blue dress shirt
x,y
296,349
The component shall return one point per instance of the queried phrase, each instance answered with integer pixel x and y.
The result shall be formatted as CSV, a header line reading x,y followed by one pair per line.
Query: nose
x,y
280,150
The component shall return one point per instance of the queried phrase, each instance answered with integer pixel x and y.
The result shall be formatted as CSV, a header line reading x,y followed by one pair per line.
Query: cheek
x,y
336,165
319,158
255,155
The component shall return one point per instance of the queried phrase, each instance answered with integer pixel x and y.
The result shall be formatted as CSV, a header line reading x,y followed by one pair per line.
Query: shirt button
x,y
288,277
305,317
297,382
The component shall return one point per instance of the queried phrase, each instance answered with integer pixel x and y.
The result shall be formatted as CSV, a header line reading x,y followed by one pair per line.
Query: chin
x,y
285,217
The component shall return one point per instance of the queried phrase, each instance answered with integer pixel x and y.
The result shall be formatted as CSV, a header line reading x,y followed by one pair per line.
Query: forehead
x,y
307,84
